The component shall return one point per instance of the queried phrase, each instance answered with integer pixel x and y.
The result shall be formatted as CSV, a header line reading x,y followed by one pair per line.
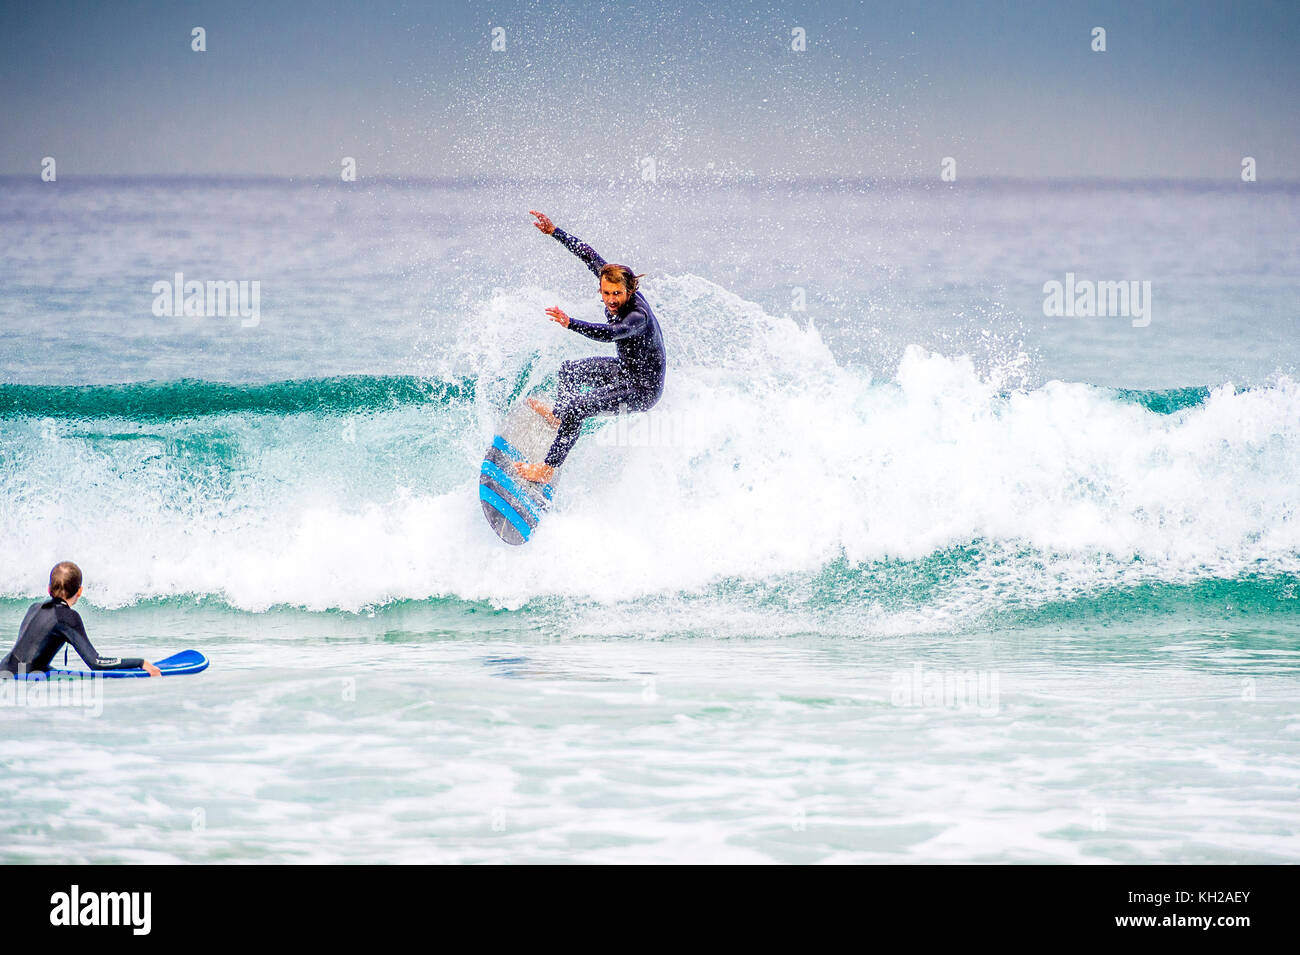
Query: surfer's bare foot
x,y
537,473
543,409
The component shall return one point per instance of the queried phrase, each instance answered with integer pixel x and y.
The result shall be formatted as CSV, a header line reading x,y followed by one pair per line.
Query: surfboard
x,y
514,507
178,664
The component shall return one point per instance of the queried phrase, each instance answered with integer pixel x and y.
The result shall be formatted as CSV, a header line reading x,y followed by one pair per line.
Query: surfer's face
x,y
615,294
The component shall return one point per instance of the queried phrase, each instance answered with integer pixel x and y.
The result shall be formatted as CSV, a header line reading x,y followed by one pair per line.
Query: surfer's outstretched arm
x,y
583,251
575,245
633,323
73,630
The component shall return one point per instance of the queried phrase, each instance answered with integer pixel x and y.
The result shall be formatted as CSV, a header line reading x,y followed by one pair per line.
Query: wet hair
x,y
65,579
622,275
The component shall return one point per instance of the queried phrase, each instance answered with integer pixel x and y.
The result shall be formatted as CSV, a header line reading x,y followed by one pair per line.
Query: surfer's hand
x,y
558,316
151,669
543,222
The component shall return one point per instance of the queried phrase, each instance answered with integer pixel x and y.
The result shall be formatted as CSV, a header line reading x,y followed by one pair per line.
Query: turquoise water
x,y
916,574
445,732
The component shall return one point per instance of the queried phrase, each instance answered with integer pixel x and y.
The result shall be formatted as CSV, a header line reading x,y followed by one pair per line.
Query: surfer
x,y
52,623
631,382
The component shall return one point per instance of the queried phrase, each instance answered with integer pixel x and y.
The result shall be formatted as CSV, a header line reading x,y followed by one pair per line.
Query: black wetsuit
x,y
46,628
631,382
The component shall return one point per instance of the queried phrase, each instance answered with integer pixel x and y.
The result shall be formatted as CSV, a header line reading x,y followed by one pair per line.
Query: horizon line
x,y
633,181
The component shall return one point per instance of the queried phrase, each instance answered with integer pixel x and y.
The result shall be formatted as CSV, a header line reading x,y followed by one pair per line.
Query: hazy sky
x,y
1186,88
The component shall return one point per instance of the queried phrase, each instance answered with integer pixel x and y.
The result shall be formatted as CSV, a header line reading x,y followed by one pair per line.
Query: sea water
x,y
901,569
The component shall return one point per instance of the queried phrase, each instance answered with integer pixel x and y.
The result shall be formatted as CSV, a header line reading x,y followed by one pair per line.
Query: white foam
x,y
771,460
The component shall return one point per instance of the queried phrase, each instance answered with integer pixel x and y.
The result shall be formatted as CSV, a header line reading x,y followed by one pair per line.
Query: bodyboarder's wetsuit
x,y
631,382
47,627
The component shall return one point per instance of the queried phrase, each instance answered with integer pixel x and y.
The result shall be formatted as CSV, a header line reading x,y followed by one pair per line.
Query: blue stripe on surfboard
x,y
501,444
507,484
496,500
486,480
505,447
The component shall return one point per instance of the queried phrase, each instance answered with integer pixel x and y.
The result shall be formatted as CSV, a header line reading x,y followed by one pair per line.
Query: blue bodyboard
x,y
178,664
